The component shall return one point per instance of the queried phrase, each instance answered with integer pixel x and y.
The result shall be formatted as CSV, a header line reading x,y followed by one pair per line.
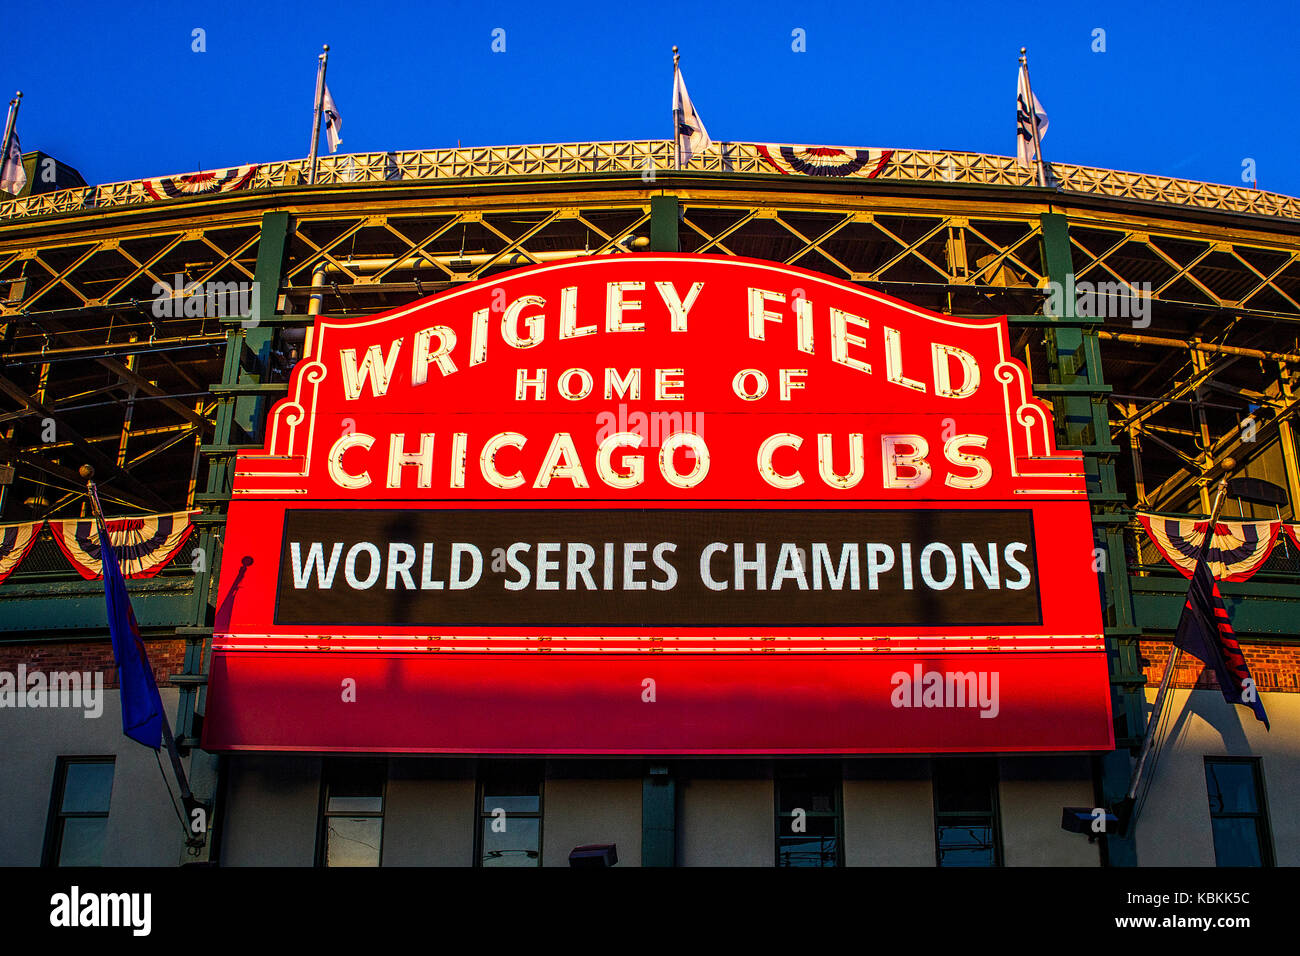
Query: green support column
x,y
659,787
665,215
250,410
246,360
659,818
1078,394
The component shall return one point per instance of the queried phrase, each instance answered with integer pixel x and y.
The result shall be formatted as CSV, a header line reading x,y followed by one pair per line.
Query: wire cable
x,y
168,785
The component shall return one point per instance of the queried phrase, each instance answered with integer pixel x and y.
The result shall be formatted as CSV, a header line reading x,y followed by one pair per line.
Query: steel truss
x,y
652,157
78,294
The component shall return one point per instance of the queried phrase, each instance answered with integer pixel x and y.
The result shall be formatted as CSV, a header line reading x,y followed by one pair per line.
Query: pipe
x,y
116,436
1286,435
1197,346
315,304
474,259
126,348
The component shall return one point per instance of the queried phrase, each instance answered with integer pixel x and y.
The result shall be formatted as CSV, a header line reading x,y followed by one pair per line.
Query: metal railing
x,y
1282,565
46,563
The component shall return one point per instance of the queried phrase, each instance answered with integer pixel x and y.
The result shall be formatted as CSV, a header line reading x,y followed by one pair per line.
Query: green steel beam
x,y
251,388
227,450
1076,390
241,400
1072,388
659,818
300,320
1266,610
250,411
163,601
665,218
271,246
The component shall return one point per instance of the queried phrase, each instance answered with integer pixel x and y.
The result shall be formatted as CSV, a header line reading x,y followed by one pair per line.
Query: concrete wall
x,y
726,823
1174,827
142,826
272,801
271,810
591,811
1031,793
429,815
888,814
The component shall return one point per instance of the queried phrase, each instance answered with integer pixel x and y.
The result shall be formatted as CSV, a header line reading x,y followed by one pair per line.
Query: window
x,y
966,813
83,788
509,817
809,825
1237,812
352,812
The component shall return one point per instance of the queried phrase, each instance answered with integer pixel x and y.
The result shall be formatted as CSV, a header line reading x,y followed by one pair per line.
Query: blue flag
x,y
142,711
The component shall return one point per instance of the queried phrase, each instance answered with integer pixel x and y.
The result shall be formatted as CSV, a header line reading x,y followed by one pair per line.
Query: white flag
x,y
1026,153
333,122
13,177
692,137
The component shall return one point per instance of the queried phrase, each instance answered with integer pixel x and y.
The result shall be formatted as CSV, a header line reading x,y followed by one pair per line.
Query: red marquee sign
x,y
663,504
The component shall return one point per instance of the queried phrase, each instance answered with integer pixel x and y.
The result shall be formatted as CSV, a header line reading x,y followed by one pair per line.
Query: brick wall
x,y
1275,667
166,655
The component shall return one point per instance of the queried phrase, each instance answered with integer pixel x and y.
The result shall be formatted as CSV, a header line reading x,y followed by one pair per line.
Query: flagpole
x,y
1157,708
1032,106
677,115
12,121
187,797
315,119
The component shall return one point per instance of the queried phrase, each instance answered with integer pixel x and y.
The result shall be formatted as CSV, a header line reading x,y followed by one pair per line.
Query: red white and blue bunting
x,y
1293,532
15,541
143,544
826,160
1237,550
194,184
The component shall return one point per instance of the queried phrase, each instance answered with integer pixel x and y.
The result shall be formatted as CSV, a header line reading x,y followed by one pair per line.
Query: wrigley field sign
x,y
655,503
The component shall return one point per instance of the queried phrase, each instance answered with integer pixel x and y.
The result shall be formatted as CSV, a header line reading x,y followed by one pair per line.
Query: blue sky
x,y
1187,89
